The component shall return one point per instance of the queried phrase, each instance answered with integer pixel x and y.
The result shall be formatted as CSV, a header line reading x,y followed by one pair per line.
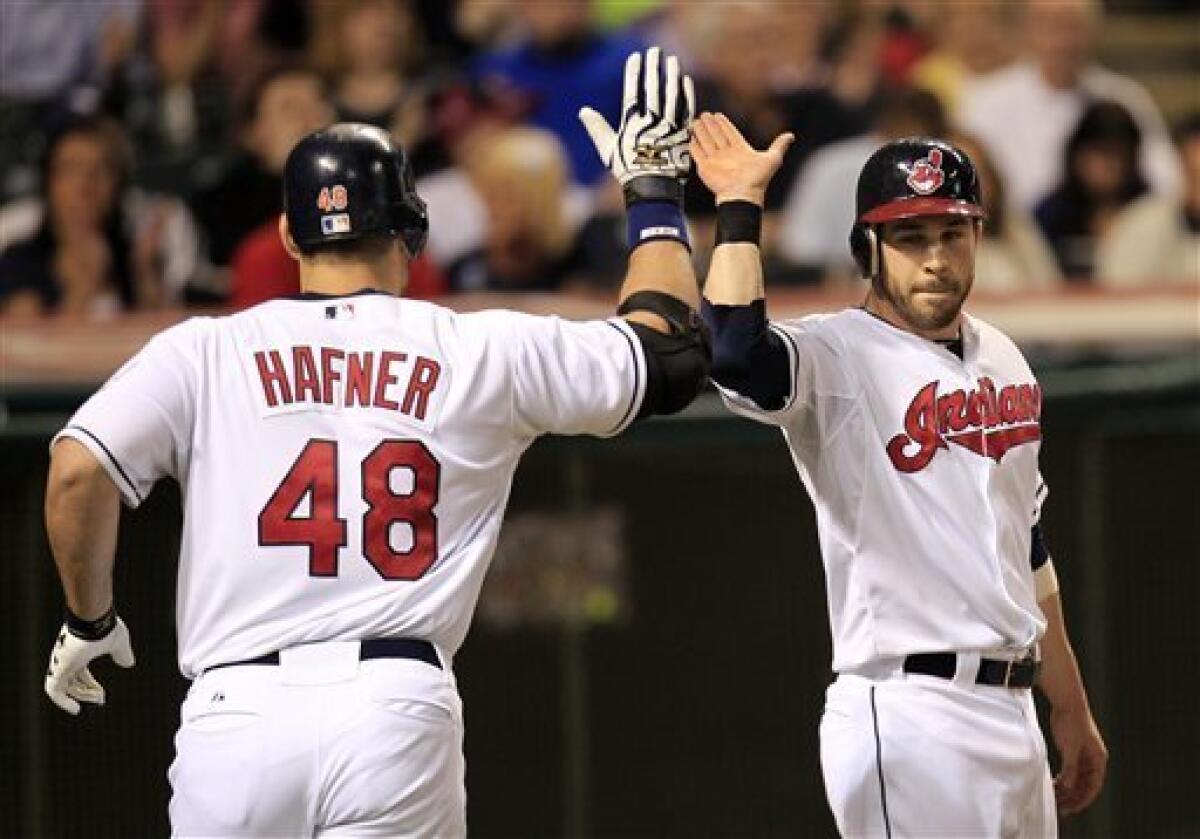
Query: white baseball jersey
x,y
923,469
345,462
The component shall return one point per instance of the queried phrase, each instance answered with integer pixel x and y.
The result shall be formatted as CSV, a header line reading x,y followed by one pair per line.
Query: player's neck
x,y
337,278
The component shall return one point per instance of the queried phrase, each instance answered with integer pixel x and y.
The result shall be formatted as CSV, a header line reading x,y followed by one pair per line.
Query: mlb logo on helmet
x,y
926,174
339,223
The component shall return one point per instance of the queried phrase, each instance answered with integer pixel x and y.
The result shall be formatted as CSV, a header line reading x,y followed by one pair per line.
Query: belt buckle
x,y
1008,668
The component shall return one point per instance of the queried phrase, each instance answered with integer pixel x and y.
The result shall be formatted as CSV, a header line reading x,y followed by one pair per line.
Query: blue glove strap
x,y
648,221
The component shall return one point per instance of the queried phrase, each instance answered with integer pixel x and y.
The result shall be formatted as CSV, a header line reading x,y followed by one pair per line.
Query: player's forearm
x,y
663,266
1060,679
747,357
735,275
83,509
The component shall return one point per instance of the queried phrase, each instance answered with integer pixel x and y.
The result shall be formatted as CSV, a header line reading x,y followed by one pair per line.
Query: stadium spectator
x,y
854,54
562,63
820,209
1013,255
262,270
1156,239
1024,113
973,39
522,177
53,53
203,51
370,50
1102,175
285,103
834,101
463,118
48,47
906,38
679,27
89,246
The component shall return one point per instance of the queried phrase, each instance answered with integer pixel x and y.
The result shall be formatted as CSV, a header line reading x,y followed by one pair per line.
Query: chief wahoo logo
x,y
927,175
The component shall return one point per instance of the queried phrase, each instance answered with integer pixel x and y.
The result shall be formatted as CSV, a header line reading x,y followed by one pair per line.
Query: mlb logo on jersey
x,y
339,223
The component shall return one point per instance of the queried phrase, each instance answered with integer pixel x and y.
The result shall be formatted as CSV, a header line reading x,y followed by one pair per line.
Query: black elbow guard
x,y
676,369
676,364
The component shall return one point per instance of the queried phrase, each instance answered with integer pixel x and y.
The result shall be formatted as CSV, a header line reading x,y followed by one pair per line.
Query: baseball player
x,y
345,459
914,428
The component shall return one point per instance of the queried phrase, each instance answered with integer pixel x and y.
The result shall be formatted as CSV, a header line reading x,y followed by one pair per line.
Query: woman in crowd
x,y
1156,239
94,247
1102,175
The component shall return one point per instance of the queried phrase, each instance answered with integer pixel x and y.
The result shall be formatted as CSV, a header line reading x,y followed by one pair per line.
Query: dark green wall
x,y
700,711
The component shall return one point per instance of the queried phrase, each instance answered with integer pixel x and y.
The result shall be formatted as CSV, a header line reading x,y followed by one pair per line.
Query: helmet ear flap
x,y
864,246
413,223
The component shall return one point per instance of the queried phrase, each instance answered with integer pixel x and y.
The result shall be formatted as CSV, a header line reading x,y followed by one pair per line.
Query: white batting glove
x,y
68,679
656,121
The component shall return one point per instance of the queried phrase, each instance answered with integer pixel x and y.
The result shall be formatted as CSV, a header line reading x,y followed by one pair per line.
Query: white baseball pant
x,y
920,756
320,745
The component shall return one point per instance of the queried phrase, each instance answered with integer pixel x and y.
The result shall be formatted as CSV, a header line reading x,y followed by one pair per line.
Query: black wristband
x,y
92,630
739,221
653,188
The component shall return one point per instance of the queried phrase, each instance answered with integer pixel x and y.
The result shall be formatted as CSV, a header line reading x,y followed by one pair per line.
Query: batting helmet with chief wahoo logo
x,y
349,181
909,178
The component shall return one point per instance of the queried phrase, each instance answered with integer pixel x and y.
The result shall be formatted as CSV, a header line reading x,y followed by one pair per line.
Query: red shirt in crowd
x,y
263,270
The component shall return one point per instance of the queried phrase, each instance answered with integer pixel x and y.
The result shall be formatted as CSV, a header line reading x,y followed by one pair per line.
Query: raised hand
x,y
656,116
730,167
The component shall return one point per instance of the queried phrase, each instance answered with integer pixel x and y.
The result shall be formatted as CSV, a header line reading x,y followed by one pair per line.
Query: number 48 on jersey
x,y
314,476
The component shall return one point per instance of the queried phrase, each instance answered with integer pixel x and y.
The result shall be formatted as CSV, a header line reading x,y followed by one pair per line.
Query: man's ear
x,y
285,236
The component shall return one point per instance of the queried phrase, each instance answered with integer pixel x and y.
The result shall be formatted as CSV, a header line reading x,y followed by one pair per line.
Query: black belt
x,y
992,671
371,648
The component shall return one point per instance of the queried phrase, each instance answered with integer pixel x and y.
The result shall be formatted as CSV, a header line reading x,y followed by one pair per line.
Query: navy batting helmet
x,y
348,181
909,178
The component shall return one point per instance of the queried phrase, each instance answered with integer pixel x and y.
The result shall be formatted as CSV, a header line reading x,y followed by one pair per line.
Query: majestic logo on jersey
x,y
984,421
926,174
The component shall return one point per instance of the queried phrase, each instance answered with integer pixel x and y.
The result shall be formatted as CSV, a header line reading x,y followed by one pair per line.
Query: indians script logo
x,y
927,175
985,421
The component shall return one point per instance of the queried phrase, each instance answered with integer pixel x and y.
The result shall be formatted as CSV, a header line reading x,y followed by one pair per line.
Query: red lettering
x,y
329,374
991,413
952,413
421,383
1008,405
305,370
975,409
358,378
960,417
920,423
386,377
274,378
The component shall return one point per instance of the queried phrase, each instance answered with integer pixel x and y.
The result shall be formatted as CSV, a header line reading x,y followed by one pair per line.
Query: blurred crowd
x,y
143,142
